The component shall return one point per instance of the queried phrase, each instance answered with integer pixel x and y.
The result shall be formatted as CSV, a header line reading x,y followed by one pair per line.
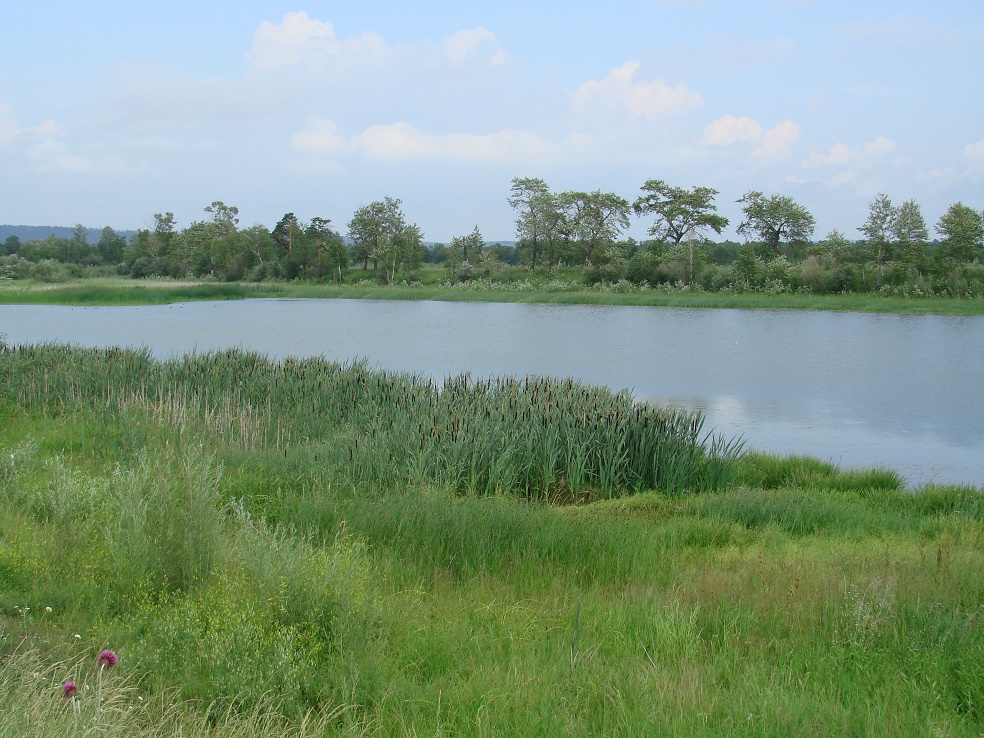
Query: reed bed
x,y
537,438
277,548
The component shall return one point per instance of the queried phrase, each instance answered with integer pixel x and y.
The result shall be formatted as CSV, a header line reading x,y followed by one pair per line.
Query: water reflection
x,y
859,389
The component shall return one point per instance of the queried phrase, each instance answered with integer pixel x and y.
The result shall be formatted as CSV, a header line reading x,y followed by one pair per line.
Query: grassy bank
x,y
265,559
148,292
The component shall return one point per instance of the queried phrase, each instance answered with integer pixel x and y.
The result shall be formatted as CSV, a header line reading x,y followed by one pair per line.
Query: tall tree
x,y
962,229
878,230
208,247
334,255
226,217
110,246
287,234
464,253
597,219
534,206
908,228
681,213
471,246
74,249
258,242
775,219
834,250
163,231
410,248
381,234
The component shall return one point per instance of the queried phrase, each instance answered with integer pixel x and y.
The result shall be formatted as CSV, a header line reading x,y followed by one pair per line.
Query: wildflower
x,y
107,659
47,609
69,688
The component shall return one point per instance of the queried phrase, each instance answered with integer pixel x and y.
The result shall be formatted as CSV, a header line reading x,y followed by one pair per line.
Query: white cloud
x,y
840,154
777,140
974,150
641,99
772,143
880,145
42,148
464,44
402,141
394,141
299,40
52,155
728,129
321,137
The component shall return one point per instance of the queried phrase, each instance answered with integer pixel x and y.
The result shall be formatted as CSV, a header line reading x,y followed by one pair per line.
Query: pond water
x,y
858,389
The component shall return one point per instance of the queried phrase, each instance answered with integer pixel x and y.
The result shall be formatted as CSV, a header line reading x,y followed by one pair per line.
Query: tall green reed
x,y
537,438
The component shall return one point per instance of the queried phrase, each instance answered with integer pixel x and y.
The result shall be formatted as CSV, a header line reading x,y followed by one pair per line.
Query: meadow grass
x,y
143,292
257,576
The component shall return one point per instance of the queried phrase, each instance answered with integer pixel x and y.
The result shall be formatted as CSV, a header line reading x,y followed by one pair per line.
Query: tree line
x,y
581,233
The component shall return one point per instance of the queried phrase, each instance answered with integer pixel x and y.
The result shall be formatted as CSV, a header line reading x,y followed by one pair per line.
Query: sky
x,y
113,111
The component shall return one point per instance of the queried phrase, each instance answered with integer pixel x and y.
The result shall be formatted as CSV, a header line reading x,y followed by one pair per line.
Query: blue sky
x,y
112,111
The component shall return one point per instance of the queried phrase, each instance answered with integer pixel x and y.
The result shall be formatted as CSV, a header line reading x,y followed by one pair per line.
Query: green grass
x,y
142,292
254,581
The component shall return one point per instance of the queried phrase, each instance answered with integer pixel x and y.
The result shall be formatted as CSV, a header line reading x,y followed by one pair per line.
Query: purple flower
x,y
107,659
69,689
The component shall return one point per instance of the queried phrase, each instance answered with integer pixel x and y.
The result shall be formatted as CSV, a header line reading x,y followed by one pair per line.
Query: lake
x,y
858,389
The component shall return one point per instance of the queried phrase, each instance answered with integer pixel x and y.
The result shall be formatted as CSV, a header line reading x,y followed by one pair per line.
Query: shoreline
x,y
156,292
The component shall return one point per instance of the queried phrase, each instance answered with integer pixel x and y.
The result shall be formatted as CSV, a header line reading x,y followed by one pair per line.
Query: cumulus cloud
x,y
320,137
840,154
728,129
650,100
43,148
974,150
776,141
299,40
402,141
464,44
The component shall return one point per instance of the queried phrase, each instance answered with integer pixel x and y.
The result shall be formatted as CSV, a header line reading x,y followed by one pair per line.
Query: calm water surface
x,y
858,389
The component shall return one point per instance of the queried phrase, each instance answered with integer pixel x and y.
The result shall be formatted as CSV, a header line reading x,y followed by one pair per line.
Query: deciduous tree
x,y
680,213
908,228
962,229
596,219
535,206
878,230
110,246
775,219
373,228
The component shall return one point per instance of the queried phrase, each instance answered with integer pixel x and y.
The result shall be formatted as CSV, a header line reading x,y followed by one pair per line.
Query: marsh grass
x,y
263,566
552,291
133,293
537,438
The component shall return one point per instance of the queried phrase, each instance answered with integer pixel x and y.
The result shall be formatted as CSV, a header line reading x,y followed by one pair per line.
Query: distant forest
x,y
25,233
573,237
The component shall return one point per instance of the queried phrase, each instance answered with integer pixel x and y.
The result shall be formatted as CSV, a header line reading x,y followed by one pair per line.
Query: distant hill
x,y
37,233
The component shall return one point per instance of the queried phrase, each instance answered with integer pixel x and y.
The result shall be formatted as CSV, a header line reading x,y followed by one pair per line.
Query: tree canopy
x,y
680,212
775,219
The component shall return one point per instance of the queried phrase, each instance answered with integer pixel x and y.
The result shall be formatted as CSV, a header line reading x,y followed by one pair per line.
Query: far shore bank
x,y
158,292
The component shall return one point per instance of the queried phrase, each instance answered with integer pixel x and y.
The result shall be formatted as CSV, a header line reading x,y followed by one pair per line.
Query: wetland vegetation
x,y
306,548
569,247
